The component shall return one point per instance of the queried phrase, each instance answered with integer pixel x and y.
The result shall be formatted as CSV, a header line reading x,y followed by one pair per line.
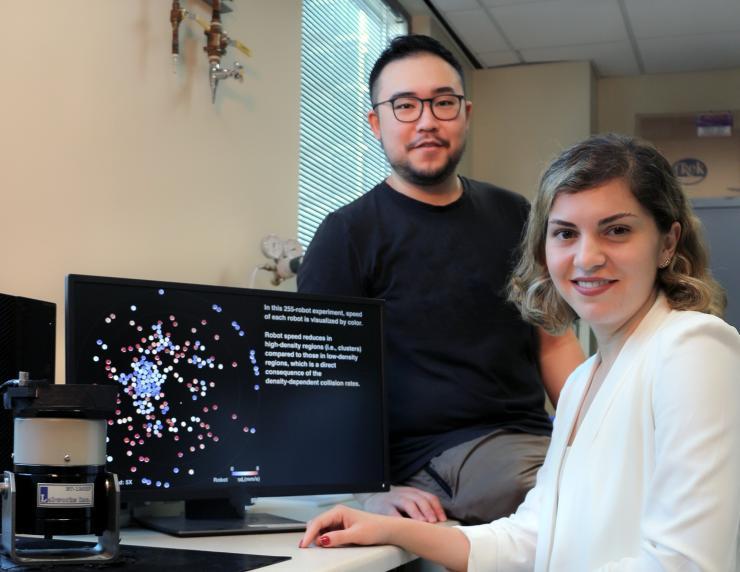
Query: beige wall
x,y
621,99
523,116
676,137
112,165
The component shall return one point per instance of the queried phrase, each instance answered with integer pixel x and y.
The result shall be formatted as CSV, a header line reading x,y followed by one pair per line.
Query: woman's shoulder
x,y
693,346
688,324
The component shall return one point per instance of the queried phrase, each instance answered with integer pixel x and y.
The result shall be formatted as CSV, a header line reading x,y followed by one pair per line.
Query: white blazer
x,y
652,479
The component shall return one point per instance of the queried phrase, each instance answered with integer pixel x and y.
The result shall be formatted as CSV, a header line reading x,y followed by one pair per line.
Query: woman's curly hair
x,y
686,282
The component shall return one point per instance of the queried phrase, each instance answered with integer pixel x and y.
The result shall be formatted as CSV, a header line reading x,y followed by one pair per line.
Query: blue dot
x,y
160,291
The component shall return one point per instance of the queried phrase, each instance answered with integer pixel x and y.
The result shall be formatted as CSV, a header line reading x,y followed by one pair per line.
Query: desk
x,y
354,559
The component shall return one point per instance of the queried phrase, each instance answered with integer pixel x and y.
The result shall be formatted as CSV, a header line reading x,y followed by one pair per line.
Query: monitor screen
x,y
228,391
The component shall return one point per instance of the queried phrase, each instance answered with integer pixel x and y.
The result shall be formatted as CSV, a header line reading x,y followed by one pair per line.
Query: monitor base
x,y
252,523
219,517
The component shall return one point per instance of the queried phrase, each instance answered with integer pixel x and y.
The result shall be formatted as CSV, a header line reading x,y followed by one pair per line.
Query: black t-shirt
x,y
460,361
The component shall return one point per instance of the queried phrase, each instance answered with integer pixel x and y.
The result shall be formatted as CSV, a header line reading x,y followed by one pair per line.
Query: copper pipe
x,y
175,19
214,45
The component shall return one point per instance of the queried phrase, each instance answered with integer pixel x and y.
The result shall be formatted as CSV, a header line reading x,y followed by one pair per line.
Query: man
x,y
468,429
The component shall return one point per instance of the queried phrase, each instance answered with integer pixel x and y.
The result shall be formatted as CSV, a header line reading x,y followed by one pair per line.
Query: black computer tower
x,y
27,343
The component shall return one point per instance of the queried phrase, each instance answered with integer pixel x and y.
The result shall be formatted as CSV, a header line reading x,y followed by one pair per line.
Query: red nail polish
x,y
324,541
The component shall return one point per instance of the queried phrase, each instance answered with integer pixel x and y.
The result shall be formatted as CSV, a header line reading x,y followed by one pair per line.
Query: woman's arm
x,y
692,505
558,357
342,526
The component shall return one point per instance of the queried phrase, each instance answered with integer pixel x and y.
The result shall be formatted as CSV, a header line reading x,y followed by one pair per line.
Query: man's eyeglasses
x,y
408,108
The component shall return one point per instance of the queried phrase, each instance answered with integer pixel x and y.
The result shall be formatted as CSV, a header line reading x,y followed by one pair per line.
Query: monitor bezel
x,y
246,491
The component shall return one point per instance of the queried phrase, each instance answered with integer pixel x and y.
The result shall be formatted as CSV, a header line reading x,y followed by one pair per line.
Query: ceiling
x,y
620,37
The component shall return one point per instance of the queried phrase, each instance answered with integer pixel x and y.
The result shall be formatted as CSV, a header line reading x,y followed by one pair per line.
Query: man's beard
x,y
427,178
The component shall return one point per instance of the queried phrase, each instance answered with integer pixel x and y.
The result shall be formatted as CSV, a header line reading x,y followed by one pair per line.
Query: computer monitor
x,y
231,392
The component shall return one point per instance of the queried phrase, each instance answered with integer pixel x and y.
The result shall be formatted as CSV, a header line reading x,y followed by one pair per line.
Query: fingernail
x,y
324,541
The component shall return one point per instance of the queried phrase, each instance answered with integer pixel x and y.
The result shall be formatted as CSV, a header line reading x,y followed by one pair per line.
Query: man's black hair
x,y
409,45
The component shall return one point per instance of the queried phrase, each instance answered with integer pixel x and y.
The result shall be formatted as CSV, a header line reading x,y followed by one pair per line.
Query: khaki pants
x,y
484,479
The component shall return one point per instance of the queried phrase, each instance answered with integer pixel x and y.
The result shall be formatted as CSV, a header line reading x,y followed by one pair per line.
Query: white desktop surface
x,y
356,559
312,559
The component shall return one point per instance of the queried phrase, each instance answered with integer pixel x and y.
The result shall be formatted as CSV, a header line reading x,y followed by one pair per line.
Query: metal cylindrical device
x,y
59,458
58,442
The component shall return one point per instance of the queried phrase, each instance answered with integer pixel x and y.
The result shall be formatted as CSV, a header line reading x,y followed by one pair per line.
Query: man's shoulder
x,y
359,208
490,192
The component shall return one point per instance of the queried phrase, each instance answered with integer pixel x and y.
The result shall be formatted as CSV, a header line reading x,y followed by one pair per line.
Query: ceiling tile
x,y
495,59
490,3
452,5
608,59
690,53
657,18
706,33
560,23
477,31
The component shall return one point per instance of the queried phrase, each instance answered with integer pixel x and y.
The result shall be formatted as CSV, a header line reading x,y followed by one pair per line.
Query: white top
x,y
653,474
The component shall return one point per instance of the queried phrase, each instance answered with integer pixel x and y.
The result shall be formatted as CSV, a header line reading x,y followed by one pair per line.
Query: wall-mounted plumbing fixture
x,y
217,40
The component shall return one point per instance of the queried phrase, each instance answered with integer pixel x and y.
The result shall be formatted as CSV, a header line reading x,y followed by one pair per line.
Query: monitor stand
x,y
219,517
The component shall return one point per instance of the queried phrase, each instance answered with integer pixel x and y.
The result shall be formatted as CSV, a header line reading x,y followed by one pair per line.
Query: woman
x,y
643,471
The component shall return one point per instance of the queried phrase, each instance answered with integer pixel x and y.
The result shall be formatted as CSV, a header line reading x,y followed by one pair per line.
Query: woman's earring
x,y
665,263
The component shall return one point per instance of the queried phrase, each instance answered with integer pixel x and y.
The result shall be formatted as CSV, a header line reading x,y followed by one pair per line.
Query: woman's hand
x,y
342,525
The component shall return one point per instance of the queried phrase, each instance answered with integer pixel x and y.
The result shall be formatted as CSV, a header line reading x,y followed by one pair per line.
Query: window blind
x,y
339,159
